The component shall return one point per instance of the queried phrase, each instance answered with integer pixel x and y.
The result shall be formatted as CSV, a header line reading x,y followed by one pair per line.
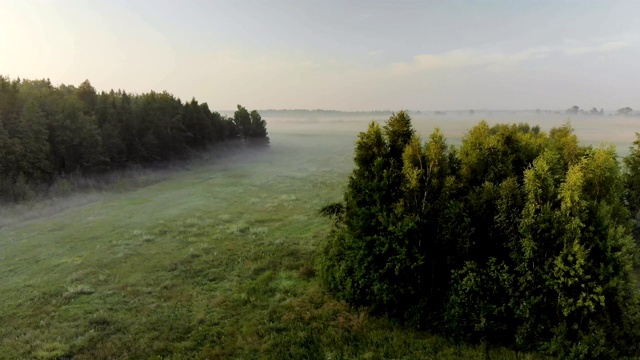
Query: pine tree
x,y
242,119
518,239
48,131
87,95
259,128
34,136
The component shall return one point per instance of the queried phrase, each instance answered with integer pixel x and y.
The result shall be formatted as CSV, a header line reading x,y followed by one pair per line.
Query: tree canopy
x,y
518,237
624,111
48,131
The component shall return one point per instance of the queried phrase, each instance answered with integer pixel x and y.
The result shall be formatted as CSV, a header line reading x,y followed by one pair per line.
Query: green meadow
x,y
215,260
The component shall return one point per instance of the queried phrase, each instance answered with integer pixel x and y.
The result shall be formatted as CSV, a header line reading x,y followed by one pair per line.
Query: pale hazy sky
x,y
347,55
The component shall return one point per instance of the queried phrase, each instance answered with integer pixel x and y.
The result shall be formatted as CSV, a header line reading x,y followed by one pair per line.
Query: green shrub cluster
x,y
518,237
47,131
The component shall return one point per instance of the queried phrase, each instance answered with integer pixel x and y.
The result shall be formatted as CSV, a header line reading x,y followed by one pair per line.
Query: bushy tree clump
x,y
518,238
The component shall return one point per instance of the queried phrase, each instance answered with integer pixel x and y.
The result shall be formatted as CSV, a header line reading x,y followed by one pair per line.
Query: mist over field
x,y
167,191
320,134
225,238
591,130
325,141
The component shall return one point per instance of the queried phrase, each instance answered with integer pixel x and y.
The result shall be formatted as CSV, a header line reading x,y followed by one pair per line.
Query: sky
x,y
335,54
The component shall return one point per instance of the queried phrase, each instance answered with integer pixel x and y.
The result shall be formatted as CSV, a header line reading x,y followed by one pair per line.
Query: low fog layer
x,y
322,143
593,130
290,155
76,191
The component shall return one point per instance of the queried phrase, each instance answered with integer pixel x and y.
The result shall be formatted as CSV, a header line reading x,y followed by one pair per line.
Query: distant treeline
x,y
575,110
49,131
518,237
297,113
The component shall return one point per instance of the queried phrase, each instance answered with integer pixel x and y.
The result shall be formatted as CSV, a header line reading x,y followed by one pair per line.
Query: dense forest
x,y
51,131
518,237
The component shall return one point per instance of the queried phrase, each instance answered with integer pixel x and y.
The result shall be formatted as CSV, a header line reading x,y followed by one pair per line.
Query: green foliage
x,y
252,128
335,211
87,95
518,238
36,157
632,184
47,131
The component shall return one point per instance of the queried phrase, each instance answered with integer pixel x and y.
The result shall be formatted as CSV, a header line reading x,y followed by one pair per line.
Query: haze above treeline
x,y
575,110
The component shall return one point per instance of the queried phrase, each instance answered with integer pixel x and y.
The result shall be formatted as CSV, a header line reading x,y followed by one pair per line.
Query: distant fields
x,y
216,261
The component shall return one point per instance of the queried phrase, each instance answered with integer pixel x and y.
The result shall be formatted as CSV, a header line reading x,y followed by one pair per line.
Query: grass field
x,y
216,261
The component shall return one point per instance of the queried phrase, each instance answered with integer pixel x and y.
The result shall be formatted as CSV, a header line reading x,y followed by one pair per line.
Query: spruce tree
x,y
519,238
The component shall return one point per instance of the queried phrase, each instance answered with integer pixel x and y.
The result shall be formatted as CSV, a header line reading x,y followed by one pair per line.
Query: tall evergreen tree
x,y
47,130
34,136
259,128
632,185
86,93
518,239
242,119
